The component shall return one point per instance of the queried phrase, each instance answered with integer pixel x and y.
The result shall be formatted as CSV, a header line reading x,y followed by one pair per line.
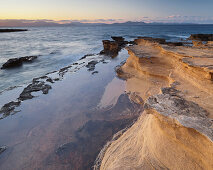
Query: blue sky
x,y
197,11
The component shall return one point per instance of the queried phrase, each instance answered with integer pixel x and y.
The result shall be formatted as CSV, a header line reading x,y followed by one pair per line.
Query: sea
x,y
58,47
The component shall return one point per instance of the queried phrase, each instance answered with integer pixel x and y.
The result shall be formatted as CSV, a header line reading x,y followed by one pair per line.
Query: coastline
x,y
142,102
64,118
175,131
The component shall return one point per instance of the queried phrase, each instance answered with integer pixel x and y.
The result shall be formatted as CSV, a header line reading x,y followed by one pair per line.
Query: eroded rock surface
x,y
112,48
175,131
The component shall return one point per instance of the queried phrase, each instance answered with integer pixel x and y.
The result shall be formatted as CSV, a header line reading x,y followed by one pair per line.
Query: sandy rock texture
x,y
175,130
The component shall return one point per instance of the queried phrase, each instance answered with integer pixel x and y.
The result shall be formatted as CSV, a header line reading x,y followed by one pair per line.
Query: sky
x,y
182,11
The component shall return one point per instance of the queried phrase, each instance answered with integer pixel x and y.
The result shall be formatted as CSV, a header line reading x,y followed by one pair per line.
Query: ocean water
x,y
58,47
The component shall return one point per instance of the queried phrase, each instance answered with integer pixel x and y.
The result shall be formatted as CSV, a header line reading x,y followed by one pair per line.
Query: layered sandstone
x,y
175,131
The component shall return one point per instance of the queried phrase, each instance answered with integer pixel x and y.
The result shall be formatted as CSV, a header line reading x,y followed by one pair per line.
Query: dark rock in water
x,y
120,41
90,139
112,48
16,62
56,79
201,37
91,65
117,38
95,72
49,80
12,30
2,149
34,87
28,58
131,42
87,55
174,43
9,108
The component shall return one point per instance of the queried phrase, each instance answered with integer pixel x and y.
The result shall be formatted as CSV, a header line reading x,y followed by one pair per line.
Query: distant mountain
x,y
130,23
37,23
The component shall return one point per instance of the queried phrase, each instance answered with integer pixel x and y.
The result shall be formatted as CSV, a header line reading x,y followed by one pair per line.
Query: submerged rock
x,y
201,37
2,149
34,87
9,108
16,62
87,55
91,65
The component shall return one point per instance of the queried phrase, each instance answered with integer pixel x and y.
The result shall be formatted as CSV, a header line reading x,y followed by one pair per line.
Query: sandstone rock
x,y
112,48
150,39
187,113
197,43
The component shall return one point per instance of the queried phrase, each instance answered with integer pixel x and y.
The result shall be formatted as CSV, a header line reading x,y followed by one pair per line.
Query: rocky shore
x,y
175,130
63,119
156,114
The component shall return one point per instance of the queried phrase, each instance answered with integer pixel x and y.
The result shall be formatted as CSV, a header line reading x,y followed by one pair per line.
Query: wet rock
x,y
12,30
49,80
112,48
56,79
174,43
131,42
16,62
90,139
8,108
95,72
34,87
201,37
87,55
119,39
91,65
65,69
2,149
